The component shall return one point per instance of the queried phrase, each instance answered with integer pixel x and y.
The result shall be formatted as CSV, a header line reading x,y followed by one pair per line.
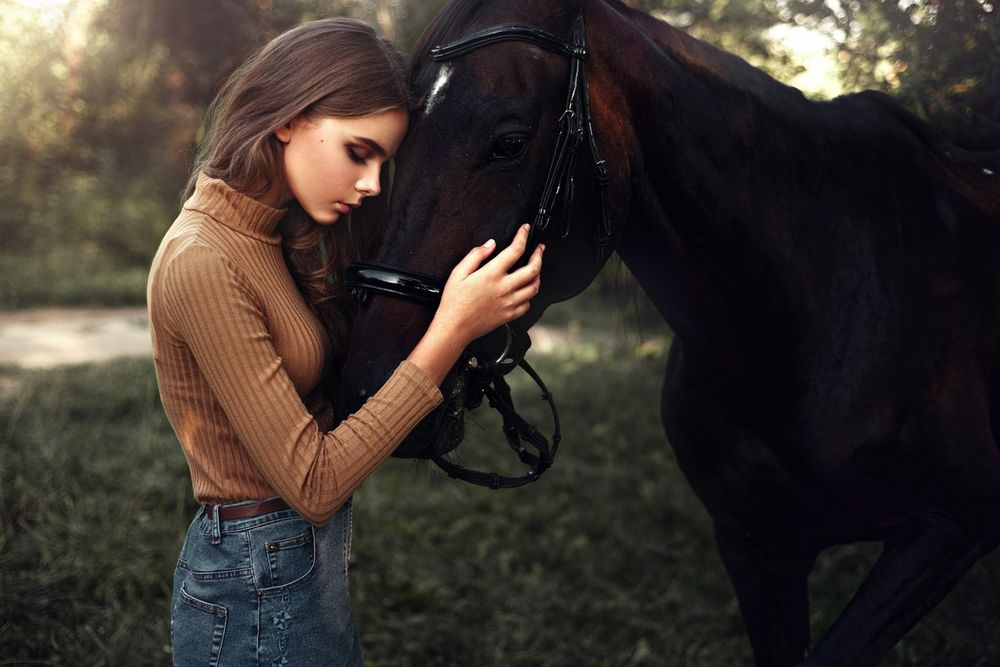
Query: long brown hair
x,y
331,67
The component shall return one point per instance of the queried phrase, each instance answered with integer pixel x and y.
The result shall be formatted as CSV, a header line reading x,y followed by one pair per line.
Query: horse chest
x,y
741,451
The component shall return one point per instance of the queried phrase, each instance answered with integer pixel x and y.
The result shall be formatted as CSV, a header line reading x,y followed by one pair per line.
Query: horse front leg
x,y
772,588
750,495
921,562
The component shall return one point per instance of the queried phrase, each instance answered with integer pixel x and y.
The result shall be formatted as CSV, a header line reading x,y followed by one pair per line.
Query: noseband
x,y
484,377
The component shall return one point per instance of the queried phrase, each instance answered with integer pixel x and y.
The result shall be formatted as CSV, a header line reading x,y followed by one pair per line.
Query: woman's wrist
x,y
437,351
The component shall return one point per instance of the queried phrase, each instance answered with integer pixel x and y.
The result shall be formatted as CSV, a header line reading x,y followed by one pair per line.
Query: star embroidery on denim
x,y
281,620
280,661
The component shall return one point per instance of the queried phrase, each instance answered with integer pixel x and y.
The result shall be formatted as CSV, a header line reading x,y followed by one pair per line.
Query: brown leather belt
x,y
248,511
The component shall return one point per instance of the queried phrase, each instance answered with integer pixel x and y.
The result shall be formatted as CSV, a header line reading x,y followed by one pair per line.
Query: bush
x,y
70,276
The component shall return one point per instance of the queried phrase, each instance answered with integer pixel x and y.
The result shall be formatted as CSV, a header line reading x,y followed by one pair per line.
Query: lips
x,y
346,207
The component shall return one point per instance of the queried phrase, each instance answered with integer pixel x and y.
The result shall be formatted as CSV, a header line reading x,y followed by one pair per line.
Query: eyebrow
x,y
374,145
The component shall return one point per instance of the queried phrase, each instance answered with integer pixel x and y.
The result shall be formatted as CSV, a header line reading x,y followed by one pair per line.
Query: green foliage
x,y
103,106
81,275
941,59
950,71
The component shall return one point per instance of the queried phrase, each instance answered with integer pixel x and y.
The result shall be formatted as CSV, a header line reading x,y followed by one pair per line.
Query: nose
x,y
369,185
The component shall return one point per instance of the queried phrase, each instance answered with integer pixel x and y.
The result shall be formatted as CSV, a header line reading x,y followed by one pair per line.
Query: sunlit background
x,y
102,103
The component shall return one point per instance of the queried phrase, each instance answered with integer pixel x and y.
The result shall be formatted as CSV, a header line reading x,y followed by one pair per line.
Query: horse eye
x,y
509,146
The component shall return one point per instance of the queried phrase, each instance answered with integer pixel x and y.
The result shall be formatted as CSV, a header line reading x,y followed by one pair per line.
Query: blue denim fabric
x,y
269,590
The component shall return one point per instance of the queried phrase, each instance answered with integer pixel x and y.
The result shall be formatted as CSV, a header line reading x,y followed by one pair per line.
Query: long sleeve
x,y
212,307
241,418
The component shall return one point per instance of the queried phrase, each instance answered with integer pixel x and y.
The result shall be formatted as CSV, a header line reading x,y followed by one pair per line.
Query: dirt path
x,y
46,337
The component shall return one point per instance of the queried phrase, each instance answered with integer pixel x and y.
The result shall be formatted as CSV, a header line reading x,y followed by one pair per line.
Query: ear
x,y
284,133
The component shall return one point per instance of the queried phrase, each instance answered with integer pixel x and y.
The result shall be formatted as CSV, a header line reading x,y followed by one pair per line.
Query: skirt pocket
x,y
289,551
197,630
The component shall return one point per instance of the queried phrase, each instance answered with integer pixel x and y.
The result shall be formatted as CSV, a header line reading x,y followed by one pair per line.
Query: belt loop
x,y
216,525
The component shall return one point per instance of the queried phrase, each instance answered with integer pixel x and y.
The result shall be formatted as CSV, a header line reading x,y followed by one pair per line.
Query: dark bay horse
x,y
831,271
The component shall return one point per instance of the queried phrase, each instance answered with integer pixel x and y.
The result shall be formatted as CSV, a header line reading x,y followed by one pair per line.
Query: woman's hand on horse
x,y
477,299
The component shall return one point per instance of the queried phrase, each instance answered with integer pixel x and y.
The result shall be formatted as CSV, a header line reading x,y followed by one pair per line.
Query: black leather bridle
x,y
485,377
481,375
574,124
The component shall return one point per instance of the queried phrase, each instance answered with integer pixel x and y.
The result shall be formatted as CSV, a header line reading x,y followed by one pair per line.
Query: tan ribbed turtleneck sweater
x,y
238,356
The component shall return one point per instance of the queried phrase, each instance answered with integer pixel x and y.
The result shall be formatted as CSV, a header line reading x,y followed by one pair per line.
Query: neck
x,y
277,195
714,140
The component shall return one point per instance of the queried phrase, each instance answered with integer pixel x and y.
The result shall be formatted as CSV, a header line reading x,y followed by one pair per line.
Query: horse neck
x,y
712,139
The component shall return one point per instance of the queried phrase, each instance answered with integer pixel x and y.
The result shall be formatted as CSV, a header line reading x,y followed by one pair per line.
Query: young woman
x,y
246,321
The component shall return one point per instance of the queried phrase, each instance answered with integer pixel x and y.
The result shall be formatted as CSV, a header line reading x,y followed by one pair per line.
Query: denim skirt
x,y
267,590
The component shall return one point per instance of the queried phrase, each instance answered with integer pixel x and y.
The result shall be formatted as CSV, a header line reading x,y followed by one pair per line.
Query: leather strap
x,y
230,512
508,32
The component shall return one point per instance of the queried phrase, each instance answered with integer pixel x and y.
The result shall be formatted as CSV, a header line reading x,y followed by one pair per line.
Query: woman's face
x,y
331,162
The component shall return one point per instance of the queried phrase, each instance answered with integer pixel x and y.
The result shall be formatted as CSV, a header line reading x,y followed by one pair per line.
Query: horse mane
x,y
973,175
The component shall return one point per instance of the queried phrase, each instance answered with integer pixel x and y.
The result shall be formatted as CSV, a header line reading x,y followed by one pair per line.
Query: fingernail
x,y
526,227
489,244
542,246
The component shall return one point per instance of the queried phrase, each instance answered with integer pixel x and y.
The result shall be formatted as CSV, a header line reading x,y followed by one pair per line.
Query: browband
x,y
520,32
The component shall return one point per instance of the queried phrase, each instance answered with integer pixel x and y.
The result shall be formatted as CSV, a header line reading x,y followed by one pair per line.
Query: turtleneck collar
x,y
235,210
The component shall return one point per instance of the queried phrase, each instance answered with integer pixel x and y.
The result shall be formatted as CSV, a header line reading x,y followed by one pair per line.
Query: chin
x,y
327,218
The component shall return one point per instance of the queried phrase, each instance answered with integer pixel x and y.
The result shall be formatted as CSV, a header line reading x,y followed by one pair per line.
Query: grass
x,y
69,277
607,560
93,503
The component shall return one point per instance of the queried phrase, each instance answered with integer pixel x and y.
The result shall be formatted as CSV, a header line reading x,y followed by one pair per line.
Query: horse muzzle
x,y
479,375
442,430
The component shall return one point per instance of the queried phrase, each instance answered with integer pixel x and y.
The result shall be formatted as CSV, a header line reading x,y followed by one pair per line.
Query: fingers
x,y
529,271
524,285
473,259
507,257
523,296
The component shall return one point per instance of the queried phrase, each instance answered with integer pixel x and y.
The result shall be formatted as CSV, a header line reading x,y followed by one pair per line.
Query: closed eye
x,y
509,146
356,157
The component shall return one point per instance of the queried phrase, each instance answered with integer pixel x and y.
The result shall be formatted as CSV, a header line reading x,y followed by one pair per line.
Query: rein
x,y
484,378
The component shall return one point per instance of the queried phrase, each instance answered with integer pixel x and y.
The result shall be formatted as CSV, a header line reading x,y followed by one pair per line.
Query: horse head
x,y
482,135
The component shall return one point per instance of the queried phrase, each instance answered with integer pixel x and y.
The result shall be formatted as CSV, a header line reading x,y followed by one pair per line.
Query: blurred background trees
x,y
102,102
941,58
